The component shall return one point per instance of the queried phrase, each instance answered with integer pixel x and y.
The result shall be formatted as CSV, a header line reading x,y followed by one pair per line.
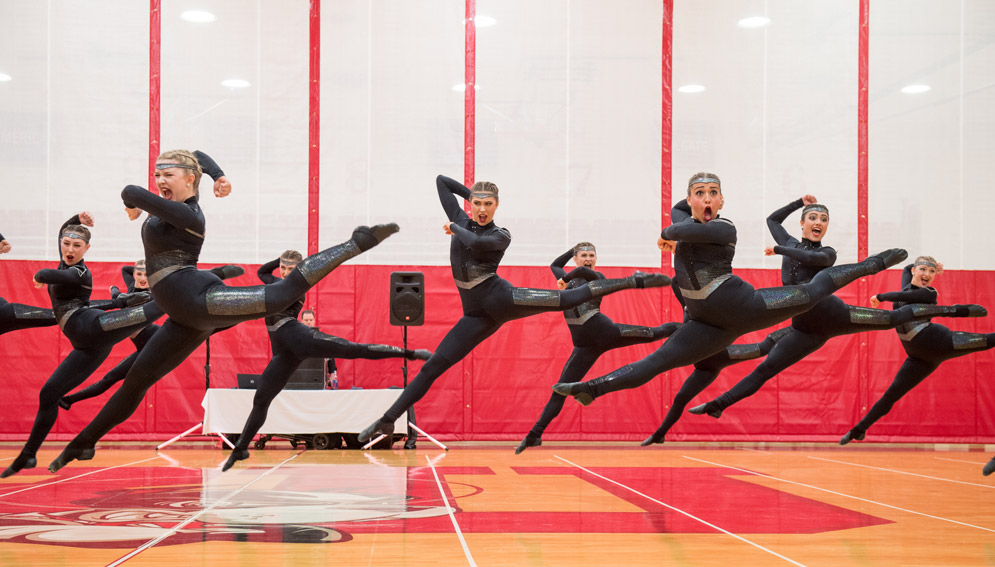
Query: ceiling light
x,y
691,89
753,22
198,16
235,83
915,89
482,21
4,77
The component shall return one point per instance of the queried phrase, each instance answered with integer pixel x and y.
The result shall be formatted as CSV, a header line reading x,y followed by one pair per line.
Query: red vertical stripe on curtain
x,y
469,94
155,36
863,72
314,128
667,125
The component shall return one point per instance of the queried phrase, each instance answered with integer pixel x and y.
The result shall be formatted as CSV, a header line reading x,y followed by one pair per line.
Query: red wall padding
x,y
497,392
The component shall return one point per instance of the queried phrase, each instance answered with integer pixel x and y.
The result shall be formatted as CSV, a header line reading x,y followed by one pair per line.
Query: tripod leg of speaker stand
x,y
180,436
427,436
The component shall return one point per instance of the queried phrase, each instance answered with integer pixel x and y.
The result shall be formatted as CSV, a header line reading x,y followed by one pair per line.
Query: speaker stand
x,y
207,386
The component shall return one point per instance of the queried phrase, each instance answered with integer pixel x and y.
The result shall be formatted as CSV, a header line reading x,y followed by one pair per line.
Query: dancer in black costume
x,y
592,333
17,316
292,343
197,301
827,319
720,305
135,279
91,329
927,344
489,301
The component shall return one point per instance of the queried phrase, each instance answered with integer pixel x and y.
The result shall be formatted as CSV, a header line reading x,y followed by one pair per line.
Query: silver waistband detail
x,y
474,282
161,274
197,234
583,318
913,331
272,328
706,290
65,317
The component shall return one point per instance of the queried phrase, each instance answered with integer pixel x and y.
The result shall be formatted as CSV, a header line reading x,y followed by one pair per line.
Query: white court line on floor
x,y
198,514
679,511
466,550
901,472
34,486
960,461
906,510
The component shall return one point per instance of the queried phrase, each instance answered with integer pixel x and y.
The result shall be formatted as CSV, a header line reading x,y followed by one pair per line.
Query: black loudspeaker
x,y
407,299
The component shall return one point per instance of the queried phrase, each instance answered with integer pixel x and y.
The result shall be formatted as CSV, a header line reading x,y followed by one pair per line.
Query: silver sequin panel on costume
x,y
170,258
635,331
781,298
866,316
743,352
581,318
236,300
535,297
132,316
908,331
969,341
31,312
317,266
706,289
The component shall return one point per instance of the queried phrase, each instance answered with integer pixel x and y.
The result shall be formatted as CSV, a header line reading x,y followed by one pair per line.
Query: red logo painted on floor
x,y
326,504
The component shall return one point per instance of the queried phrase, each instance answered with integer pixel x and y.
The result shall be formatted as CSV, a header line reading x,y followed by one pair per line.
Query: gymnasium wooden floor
x,y
559,505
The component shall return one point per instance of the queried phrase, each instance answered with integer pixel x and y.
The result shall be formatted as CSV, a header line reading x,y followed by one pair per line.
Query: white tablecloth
x,y
301,411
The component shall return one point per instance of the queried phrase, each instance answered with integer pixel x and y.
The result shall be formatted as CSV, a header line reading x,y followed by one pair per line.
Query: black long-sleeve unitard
x,y
720,305
488,300
293,342
17,316
826,319
926,344
197,301
91,329
593,334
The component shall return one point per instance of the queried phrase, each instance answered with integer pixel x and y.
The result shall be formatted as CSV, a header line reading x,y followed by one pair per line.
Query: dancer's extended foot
x,y
892,257
852,435
228,271
579,390
989,468
529,441
236,455
420,354
133,299
378,428
970,310
656,438
65,404
367,237
69,454
706,408
21,462
644,279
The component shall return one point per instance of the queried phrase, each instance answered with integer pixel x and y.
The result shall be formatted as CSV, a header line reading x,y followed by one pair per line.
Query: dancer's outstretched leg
x,y
458,342
705,372
909,376
170,346
580,362
112,377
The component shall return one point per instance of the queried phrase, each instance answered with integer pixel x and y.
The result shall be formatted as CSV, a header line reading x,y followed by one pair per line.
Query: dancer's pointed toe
x,y
378,428
237,454
529,441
